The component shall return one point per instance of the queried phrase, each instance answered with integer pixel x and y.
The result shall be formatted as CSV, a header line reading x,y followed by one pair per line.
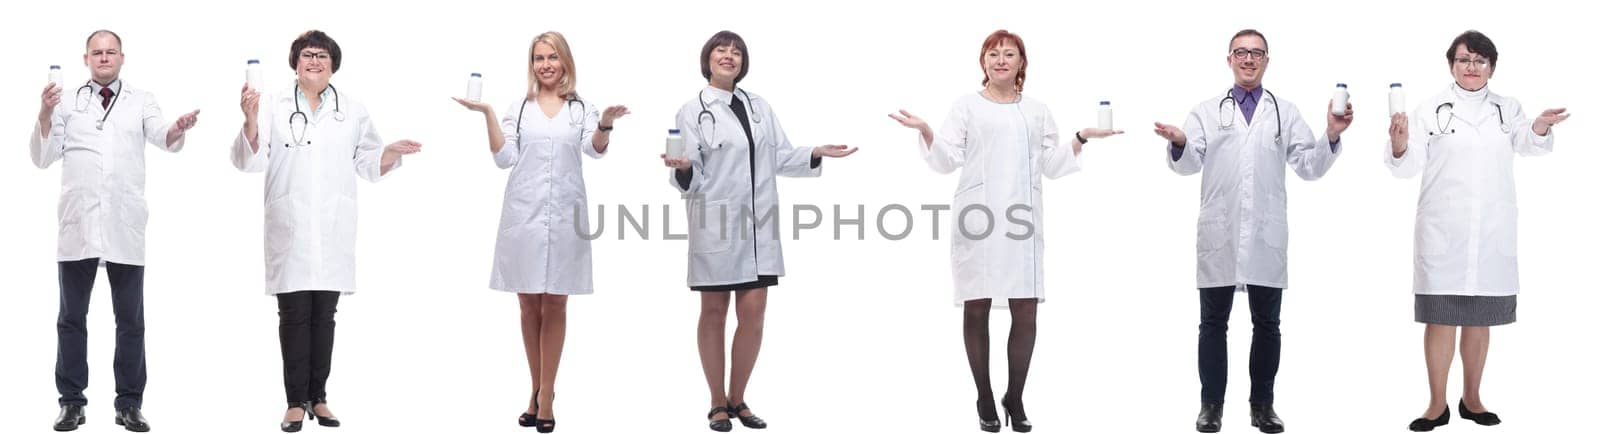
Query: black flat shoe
x,y
1425,425
750,421
1263,418
296,425
1210,419
1484,418
1021,424
132,420
71,416
311,412
720,425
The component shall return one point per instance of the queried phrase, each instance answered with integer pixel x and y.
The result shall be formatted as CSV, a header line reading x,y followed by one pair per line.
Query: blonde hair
x,y
568,88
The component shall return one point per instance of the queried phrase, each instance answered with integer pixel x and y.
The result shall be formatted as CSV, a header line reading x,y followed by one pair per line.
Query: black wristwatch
x,y
1079,135
606,129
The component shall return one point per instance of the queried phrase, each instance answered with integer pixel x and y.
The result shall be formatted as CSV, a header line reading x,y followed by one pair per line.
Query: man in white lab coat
x,y
100,139
1242,140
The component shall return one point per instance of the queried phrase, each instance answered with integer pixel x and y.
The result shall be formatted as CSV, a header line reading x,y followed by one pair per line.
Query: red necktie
x,y
105,98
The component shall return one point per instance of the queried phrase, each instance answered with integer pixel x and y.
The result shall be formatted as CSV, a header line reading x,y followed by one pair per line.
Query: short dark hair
x,y
100,32
1250,32
314,39
1476,43
722,39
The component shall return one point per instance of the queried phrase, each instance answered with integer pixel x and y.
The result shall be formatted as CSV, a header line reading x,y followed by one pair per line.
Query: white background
x,y
861,335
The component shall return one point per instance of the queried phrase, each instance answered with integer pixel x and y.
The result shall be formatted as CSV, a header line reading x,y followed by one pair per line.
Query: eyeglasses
x,y
1465,62
1253,53
314,55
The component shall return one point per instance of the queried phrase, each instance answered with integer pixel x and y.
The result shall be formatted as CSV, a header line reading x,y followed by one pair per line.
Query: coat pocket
x,y
711,225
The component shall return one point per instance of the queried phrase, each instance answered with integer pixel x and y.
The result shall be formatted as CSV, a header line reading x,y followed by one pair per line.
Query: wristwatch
x,y
1079,135
606,129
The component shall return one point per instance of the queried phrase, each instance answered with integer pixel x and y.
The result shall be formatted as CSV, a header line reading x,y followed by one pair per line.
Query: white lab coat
x,y
1243,234
1003,151
539,249
310,197
1466,230
102,210
726,190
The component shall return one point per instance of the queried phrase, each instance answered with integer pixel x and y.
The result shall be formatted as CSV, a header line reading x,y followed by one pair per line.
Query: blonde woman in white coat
x,y
1004,144
541,253
736,151
1462,142
312,142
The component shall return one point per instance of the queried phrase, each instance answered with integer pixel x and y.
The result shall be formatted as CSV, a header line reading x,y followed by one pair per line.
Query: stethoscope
x,y
705,113
305,122
86,92
1450,117
576,117
1276,137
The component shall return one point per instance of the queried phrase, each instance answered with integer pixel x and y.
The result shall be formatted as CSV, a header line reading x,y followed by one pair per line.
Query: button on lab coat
x,y
1003,151
102,209
720,252
1466,230
539,249
310,196
1243,234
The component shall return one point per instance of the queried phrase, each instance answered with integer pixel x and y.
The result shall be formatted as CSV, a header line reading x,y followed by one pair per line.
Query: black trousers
x,y
305,333
72,334
1265,342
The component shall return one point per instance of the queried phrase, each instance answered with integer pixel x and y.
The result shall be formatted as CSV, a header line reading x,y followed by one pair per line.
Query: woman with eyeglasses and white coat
x,y
1462,142
541,253
735,151
312,142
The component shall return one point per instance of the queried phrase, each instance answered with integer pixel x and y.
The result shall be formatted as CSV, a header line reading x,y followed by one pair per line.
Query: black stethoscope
x,y
705,113
81,101
1276,137
305,122
1444,127
575,116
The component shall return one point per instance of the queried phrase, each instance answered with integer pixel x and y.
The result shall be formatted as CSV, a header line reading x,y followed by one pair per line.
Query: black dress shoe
x,y
1020,424
311,412
71,416
1262,417
131,419
1210,419
750,421
1484,418
296,425
1424,425
988,425
720,425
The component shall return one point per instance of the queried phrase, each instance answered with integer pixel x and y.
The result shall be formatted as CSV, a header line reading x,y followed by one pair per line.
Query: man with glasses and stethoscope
x,y
100,139
1243,234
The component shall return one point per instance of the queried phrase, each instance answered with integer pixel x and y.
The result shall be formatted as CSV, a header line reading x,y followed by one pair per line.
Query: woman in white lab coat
x,y
312,142
735,150
540,253
1462,142
1004,143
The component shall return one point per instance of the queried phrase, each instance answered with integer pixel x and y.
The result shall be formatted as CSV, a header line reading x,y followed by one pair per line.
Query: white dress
x,y
539,249
1003,151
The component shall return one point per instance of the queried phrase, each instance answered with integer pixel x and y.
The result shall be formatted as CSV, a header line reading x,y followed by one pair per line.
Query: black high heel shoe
x,y
544,425
311,412
1022,424
750,421
530,420
723,425
1424,425
296,425
987,425
1485,418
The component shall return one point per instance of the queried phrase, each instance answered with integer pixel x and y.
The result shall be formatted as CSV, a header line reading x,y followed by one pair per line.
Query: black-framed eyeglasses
x,y
1253,53
1480,62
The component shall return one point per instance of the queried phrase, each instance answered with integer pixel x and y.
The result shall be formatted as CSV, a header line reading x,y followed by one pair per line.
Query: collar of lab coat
x,y
1453,94
713,95
1239,94
327,93
116,86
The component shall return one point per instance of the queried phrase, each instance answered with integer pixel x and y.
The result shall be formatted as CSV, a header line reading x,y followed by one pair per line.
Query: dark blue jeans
x,y
1265,342
72,334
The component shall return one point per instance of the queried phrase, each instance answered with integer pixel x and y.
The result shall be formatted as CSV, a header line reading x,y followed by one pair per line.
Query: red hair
x,y
994,40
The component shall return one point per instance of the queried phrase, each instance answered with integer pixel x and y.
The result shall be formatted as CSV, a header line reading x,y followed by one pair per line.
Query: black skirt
x,y
761,281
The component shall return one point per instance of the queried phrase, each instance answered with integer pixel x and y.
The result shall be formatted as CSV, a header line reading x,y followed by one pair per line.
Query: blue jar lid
x,y
1394,85
252,62
1105,102
477,75
672,131
1340,85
